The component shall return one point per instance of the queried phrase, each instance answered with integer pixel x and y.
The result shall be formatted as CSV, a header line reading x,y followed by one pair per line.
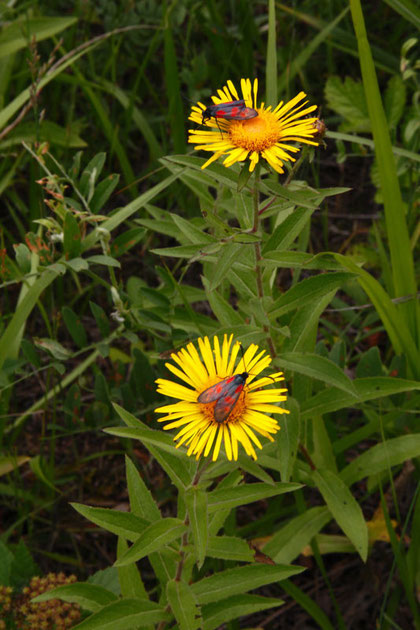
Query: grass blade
x,y
398,238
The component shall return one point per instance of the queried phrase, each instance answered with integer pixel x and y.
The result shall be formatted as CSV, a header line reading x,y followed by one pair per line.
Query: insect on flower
x,y
252,131
221,401
226,393
232,110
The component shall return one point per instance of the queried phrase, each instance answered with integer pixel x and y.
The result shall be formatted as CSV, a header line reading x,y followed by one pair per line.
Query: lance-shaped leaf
x,y
154,537
233,497
344,507
184,605
382,457
237,581
218,613
123,524
288,542
125,614
89,596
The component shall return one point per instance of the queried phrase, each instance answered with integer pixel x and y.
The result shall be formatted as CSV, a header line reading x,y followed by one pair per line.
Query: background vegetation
x,y
115,248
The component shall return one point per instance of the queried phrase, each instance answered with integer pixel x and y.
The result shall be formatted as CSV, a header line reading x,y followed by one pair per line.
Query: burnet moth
x,y
232,110
226,394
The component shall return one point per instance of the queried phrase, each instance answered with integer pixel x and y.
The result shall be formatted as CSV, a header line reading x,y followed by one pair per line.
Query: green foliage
x,y
105,275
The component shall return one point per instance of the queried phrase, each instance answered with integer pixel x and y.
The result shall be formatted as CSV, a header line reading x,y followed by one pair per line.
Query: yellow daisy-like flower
x,y
243,415
270,135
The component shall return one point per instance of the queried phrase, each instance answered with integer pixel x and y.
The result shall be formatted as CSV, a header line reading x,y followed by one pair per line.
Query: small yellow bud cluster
x,y
53,614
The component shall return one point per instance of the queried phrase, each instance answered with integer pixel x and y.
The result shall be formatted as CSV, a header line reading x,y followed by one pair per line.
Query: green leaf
x,y
407,9
125,614
217,614
90,175
153,538
306,197
19,33
107,579
123,524
316,367
74,326
229,548
237,581
183,604
127,211
393,319
322,453
288,440
125,241
76,264
41,469
344,508
187,251
285,233
225,313
23,257
196,502
334,399
88,596
129,577
381,457
102,193
175,463
72,236
304,325
300,260
370,364
229,255
288,542
108,261
23,566
102,321
141,500
307,291
395,100
232,479
228,498
6,558
347,98
219,173
192,232
52,346
8,463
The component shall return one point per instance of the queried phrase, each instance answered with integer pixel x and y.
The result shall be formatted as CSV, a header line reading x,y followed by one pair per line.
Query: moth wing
x,y
247,113
230,110
231,104
214,392
226,403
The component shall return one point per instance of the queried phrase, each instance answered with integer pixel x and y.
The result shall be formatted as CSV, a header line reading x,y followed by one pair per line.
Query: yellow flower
x,y
271,134
200,430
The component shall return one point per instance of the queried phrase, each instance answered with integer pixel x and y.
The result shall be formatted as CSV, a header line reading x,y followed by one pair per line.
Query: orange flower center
x,y
256,134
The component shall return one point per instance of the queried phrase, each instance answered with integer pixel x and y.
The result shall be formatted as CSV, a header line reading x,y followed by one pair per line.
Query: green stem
x,y
258,257
184,541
